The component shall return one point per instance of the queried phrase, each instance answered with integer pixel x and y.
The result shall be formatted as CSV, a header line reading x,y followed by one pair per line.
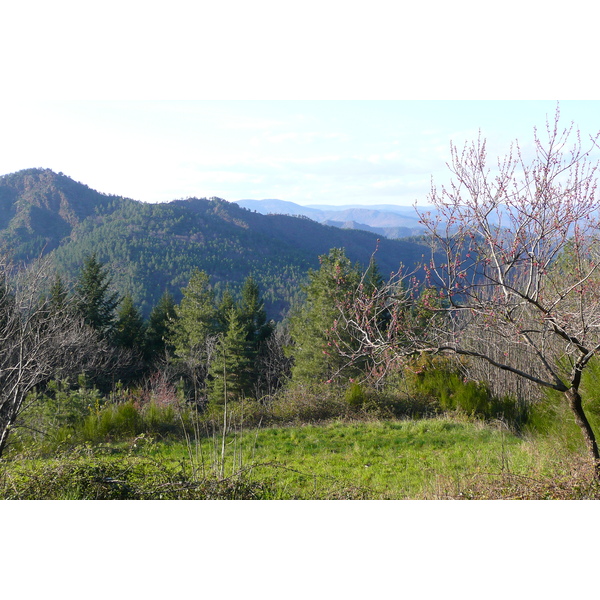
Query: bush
x,y
51,416
111,422
440,380
83,477
309,404
355,395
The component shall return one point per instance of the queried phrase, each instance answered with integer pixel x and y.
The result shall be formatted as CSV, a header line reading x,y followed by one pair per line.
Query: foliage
x,y
355,395
129,331
160,323
95,301
311,323
442,381
82,476
230,368
197,317
58,295
155,247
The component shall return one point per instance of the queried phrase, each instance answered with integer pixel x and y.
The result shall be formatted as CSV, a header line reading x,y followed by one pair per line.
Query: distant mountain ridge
x,y
152,248
388,220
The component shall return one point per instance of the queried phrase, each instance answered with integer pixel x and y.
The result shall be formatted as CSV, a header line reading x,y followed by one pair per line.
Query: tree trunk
x,y
574,399
7,418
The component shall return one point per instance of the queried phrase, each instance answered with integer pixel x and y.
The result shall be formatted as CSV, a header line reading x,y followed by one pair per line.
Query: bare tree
x,y
513,276
38,340
272,365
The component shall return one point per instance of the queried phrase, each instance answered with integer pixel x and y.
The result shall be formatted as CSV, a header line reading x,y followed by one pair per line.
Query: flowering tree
x,y
513,278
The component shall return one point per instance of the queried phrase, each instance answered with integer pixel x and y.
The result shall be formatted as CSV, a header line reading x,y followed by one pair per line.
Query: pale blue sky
x,y
309,152
125,96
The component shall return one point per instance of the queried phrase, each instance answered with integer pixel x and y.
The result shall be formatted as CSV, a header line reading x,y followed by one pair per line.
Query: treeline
x,y
150,248
216,342
217,347
61,343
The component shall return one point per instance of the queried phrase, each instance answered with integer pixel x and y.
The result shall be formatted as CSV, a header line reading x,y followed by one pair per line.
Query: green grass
x,y
429,458
378,459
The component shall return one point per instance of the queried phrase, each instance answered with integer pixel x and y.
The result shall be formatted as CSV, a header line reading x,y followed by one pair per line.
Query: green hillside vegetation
x,y
224,404
153,248
39,209
196,349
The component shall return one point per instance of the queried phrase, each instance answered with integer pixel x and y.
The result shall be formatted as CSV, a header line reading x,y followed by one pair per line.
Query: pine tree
x,y
195,330
229,372
95,302
129,327
253,314
197,316
160,323
314,350
372,278
58,295
254,320
226,305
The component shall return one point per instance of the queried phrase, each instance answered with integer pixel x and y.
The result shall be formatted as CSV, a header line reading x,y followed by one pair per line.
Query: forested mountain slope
x,y
151,248
39,208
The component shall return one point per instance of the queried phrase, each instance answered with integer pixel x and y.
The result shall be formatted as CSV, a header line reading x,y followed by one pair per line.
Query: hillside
x,y
151,248
40,208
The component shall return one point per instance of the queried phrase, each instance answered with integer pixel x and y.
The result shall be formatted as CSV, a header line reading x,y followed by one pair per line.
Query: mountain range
x,y
152,248
386,220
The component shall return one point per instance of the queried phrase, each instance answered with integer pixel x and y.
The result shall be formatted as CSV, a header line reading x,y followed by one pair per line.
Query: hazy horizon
x,y
307,152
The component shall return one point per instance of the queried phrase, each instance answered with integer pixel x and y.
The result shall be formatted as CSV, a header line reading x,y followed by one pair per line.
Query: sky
x,y
323,103
308,152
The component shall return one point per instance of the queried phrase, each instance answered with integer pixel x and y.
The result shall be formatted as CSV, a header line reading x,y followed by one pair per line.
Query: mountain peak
x,y
39,207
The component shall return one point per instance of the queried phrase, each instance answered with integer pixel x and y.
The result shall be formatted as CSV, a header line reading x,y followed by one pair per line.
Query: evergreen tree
x,y
197,316
58,295
254,320
95,302
129,327
226,305
253,315
372,278
229,372
160,324
314,350
195,330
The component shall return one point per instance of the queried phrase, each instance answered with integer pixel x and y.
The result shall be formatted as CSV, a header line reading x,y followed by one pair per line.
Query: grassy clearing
x,y
429,458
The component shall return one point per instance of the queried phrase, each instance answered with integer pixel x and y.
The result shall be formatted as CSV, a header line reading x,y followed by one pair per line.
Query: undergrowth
x,y
426,433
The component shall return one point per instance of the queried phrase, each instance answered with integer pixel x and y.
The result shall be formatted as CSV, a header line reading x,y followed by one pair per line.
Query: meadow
x,y
444,457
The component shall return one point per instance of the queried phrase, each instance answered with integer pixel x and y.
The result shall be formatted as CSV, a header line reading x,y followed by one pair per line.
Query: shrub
x,y
309,404
113,421
355,395
441,380
51,416
126,420
84,477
